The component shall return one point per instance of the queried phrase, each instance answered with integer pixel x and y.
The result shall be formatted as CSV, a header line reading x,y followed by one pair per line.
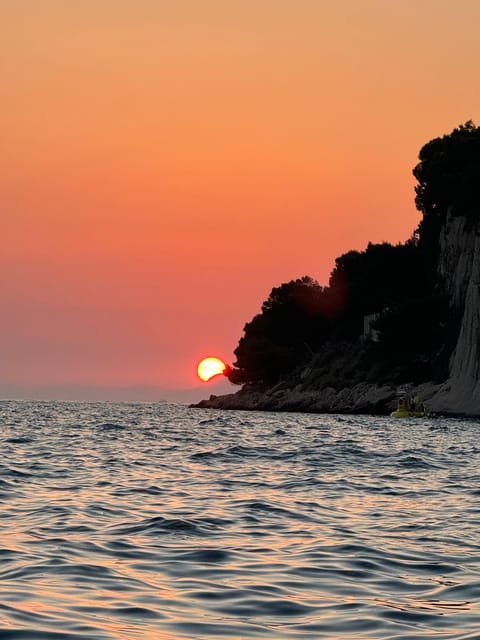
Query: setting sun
x,y
210,367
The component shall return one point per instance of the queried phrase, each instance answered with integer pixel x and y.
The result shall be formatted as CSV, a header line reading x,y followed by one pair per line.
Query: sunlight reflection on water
x,y
163,522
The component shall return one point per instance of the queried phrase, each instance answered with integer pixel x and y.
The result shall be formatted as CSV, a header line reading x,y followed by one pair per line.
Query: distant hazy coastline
x,y
95,393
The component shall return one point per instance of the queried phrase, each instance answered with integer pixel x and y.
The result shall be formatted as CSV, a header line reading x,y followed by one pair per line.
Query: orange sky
x,y
164,164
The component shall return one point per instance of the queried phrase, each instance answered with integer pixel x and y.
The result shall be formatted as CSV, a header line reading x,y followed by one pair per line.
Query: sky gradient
x,y
163,165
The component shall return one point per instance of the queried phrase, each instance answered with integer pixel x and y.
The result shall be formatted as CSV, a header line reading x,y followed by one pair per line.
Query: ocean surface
x,y
161,522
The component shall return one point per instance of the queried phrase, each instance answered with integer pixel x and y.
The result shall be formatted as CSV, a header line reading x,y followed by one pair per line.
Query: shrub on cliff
x,y
448,175
366,282
294,321
300,315
413,337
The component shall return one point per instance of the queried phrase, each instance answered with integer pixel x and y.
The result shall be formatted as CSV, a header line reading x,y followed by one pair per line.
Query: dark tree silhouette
x,y
448,175
300,318
292,324
365,282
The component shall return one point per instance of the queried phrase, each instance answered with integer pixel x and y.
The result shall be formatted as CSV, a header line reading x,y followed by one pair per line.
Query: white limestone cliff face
x,y
460,266
457,250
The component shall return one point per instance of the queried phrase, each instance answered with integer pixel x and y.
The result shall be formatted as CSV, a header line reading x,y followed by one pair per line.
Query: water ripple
x,y
159,522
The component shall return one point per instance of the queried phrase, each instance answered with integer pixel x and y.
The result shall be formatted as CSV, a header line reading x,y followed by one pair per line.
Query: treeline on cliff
x,y
384,316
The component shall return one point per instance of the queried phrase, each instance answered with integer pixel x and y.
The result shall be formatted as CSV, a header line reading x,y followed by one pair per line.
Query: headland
x,y
392,316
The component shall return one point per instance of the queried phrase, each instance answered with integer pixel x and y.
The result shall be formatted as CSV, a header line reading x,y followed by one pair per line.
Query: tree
x,y
448,175
365,282
293,322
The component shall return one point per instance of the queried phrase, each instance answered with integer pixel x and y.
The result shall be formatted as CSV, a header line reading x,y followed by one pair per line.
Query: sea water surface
x,y
161,522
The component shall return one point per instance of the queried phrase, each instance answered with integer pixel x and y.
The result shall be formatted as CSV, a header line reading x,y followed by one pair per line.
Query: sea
x,y
163,522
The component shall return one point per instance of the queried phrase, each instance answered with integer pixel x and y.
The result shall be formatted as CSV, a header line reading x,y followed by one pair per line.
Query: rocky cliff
x,y
459,265
459,269
439,275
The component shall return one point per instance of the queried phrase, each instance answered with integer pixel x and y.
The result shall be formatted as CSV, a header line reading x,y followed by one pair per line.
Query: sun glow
x,y
210,367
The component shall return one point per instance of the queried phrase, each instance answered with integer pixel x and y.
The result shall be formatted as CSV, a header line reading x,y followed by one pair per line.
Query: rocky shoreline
x,y
361,399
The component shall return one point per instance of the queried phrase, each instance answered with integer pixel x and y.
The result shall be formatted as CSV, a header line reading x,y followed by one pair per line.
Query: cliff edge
x,y
459,265
391,316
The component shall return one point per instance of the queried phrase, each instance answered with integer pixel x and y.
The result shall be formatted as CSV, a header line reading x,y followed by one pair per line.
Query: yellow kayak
x,y
407,409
